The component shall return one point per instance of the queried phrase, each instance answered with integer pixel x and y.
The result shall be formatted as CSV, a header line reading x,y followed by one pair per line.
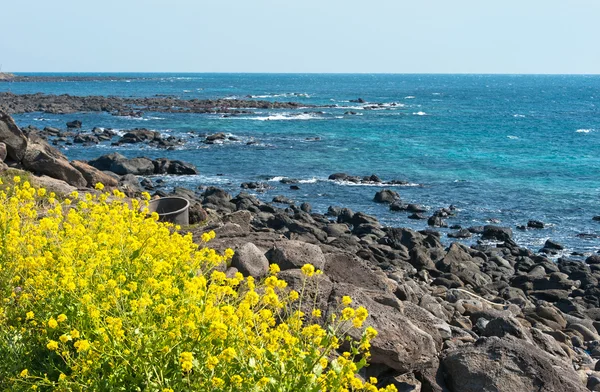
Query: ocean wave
x,y
285,95
283,117
518,115
585,130
512,137
373,184
410,97
420,114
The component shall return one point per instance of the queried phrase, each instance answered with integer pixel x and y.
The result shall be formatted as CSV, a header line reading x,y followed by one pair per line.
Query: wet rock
x,y
3,152
417,216
175,167
75,124
85,138
306,207
463,233
553,245
386,196
283,200
415,208
139,136
535,224
496,233
216,136
12,137
507,365
250,261
436,221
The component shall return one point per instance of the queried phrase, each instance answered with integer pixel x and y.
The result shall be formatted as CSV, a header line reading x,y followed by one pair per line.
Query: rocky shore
x,y
62,104
491,317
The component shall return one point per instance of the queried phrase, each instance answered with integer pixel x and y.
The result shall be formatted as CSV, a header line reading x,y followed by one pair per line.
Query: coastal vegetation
x,y
98,295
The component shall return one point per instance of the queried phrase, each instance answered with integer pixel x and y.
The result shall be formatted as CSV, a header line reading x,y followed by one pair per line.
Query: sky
x,y
329,36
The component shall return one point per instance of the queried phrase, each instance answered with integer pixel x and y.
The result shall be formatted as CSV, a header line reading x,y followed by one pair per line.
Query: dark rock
x,y
338,176
85,138
415,208
197,214
417,216
306,207
139,136
553,245
436,221
3,152
282,199
333,211
74,124
386,196
130,185
507,365
535,224
463,233
175,167
216,136
496,233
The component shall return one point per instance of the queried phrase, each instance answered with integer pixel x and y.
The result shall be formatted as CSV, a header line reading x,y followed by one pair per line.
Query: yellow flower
x,y
316,313
74,334
263,382
99,186
346,300
30,315
16,179
64,338
308,270
24,373
52,345
82,346
217,382
52,323
61,317
294,295
62,377
274,269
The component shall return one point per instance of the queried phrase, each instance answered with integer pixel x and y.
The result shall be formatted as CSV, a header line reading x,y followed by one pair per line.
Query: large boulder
x,y
294,254
250,261
41,158
11,135
166,166
507,365
93,175
386,196
348,268
402,344
121,165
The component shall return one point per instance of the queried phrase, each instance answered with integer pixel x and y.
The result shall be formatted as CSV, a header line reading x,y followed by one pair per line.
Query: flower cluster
x,y
99,295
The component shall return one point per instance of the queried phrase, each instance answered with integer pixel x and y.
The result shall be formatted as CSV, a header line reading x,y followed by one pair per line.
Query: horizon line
x,y
302,73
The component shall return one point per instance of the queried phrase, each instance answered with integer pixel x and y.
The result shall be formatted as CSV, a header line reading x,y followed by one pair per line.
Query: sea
x,y
502,149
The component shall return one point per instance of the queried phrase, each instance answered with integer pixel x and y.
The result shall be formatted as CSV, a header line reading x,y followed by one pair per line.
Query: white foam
x,y
420,114
187,91
410,97
584,130
512,137
283,117
276,179
309,181
262,96
518,115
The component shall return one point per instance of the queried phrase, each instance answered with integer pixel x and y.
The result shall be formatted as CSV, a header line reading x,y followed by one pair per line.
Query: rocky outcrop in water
x,y
62,104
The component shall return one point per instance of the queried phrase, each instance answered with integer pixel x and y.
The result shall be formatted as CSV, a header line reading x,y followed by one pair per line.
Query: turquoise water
x,y
510,148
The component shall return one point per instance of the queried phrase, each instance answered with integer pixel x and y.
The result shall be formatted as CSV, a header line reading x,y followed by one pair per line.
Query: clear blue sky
x,y
396,36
